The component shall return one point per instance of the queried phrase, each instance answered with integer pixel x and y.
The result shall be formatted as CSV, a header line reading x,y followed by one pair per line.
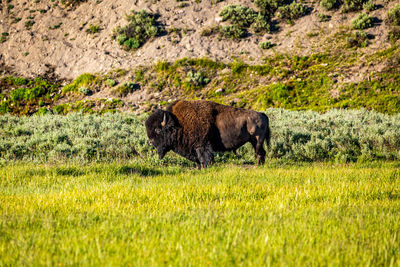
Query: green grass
x,y
137,213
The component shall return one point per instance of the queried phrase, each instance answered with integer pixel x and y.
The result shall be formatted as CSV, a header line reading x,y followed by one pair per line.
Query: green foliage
x,y
238,15
25,95
266,45
92,29
268,7
124,89
29,24
369,6
293,11
56,26
357,39
142,26
353,5
84,80
195,79
208,31
111,82
232,31
84,91
261,24
393,16
323,17
394,33
329,4
362,21
3,37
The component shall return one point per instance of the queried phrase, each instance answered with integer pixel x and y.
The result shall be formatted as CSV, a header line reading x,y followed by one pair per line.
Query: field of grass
x,y
139,213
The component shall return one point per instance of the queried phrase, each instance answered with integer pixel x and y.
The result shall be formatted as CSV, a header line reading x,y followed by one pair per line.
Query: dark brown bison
x,y
195,129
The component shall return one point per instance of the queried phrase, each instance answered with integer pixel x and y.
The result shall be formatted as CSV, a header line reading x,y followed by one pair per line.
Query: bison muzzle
x,y
197,129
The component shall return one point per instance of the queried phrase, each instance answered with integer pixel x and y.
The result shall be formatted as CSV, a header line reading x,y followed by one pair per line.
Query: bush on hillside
x,y
353,5
393,16
232,31
369,6
292,11
238,15
329,4
357,39
269,7
142,26
362,21
261,24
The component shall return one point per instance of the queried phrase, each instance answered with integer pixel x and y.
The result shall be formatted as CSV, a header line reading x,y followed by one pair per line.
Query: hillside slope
x,y
72,51
60,42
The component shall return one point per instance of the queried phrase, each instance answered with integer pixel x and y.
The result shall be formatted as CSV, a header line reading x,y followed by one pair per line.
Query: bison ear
x,y
164,122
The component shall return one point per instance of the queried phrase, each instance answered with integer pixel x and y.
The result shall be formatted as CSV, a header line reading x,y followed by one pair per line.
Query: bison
x,y
196,129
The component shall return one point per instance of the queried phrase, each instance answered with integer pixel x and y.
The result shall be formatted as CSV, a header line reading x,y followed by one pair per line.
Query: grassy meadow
x,y
138,213
89,190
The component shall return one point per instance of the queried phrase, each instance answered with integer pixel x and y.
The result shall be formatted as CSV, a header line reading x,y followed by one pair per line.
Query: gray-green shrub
x,y
353,5
393,16
362,21
357,39
142,26
339,135
329,4
238,15
293,11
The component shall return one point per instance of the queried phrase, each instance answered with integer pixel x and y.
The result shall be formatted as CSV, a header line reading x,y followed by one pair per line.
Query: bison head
x,y
160,128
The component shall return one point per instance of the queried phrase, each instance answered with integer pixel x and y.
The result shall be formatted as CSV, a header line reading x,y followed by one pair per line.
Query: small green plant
x,y
268,7
142,26
238,15
266,45
232,31
394,33
84,91
16,20
329,4
323,17
111,82
261,24
29,24
92,29
124,89
56,26
195,79
84,80
208,31
362,21
353,5
293,11
4,37
393,16
369,6
357,39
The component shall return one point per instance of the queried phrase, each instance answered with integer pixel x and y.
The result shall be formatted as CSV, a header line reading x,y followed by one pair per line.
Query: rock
x,y
219,90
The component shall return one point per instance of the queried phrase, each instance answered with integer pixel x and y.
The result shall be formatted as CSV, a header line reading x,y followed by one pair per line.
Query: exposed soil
x,y
58,43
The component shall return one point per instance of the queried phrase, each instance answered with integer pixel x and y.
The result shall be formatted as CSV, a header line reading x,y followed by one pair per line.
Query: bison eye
x,y
157,130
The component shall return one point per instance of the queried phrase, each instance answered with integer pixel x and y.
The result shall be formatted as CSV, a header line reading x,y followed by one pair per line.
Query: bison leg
x,y
205,155
259,149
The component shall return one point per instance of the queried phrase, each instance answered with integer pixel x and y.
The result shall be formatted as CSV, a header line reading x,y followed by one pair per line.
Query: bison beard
x,y
195,129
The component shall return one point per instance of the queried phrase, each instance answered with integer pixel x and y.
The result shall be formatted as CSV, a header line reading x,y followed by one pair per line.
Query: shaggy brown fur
x,y
195,129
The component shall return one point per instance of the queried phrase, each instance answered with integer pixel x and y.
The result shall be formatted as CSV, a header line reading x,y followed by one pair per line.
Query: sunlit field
x,y
137,213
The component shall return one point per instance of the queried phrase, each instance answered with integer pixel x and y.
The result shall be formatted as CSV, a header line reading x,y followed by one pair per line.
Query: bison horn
x,y
164,122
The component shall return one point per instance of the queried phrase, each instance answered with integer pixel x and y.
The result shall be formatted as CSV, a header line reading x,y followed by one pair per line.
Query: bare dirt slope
x,y
58,37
